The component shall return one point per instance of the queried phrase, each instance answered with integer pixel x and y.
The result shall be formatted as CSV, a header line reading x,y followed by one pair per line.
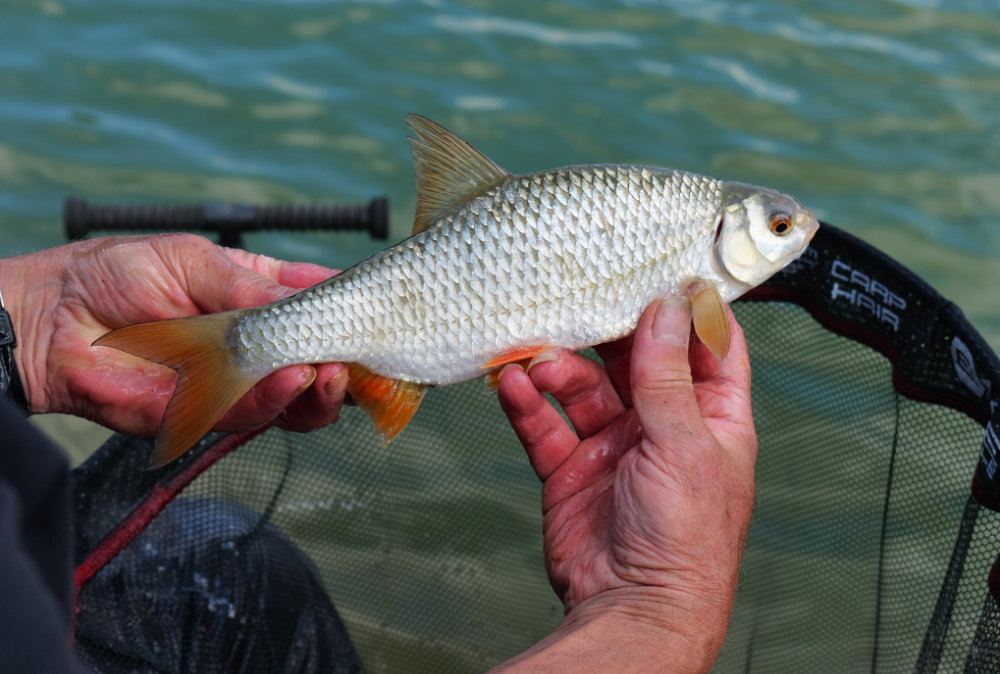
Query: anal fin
x,y
389,403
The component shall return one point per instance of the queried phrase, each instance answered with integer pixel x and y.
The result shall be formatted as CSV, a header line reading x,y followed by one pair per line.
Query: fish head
x,y
759,231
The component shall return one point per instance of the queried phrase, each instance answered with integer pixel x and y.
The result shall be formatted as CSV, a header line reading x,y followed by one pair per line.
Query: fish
x,y
499,268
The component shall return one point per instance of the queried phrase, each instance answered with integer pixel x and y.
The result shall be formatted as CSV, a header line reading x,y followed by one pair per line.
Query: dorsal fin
x,y
449,171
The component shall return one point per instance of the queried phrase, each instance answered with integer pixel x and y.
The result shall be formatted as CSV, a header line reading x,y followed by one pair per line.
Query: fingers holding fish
x,y
617,358
192,266
303,274
582,388
268,398
302,398
543,432
723,392
683,389
319,405
290,274
299,398
251,279
592,460
662,387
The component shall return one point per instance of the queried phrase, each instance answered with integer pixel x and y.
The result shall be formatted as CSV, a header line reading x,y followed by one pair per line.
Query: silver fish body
x,y
565,258
500,268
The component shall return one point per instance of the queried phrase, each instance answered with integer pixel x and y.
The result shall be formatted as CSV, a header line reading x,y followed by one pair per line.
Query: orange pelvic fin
x,y
710,321
390,403
492,380
208,381
524,356
526,353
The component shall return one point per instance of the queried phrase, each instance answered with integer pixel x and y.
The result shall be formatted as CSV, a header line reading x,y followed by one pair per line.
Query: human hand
x,y
647,502
64,298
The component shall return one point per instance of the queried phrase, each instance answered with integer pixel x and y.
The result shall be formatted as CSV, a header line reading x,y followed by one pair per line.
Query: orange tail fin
x,y
208,382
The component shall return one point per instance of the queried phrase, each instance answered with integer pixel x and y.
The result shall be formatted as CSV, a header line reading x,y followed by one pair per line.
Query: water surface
x,y
882,116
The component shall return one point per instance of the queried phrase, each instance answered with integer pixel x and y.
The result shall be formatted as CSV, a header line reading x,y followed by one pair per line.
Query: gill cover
x,y
761,231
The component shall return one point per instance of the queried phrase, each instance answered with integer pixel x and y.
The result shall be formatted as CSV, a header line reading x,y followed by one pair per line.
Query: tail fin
x,y
208,382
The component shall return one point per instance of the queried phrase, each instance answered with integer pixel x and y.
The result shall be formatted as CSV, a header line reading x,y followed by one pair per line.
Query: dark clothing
x,y
208,586
35,550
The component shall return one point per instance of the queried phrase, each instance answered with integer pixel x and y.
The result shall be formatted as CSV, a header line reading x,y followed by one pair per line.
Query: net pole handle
x,y
229,221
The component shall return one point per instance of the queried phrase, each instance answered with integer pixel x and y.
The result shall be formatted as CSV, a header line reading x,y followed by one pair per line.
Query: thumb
x,y
231,286
220,279
662,389
289,274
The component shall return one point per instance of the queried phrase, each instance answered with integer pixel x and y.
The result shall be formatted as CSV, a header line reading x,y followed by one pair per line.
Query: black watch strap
x,y
10,382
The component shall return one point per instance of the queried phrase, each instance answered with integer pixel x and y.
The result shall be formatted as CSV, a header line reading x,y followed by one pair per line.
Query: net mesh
x,y
862,502
324,551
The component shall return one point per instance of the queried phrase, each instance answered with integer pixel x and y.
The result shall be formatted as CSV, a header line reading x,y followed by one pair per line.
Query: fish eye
x,y
781,225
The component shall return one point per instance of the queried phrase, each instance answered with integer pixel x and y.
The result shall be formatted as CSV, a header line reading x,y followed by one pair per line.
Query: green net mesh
x,y
328,552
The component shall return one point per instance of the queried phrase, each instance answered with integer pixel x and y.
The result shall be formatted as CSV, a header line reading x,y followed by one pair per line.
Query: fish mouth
x,y
811,223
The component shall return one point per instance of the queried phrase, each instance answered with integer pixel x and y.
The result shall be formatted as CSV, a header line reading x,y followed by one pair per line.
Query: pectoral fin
x,y
390,403
710,321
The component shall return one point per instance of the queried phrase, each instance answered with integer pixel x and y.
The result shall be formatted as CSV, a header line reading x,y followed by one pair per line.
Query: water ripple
x,y
549,35
816,33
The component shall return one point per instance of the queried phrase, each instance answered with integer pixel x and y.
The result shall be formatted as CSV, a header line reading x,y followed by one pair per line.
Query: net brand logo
x,y
865,292
965,368
990,449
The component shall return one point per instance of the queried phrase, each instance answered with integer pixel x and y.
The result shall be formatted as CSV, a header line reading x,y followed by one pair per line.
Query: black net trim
x,y
856,291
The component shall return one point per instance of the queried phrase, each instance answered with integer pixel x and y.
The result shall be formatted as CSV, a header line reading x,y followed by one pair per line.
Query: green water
x,y
882,116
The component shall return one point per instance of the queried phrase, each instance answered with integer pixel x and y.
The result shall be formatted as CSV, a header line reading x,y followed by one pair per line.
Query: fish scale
x,y
500,268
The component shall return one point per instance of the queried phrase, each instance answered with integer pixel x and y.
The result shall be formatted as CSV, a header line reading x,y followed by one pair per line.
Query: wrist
x,y
10,378
637,629
30,285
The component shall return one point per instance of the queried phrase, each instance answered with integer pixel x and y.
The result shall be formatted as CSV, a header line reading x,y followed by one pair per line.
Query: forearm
x,y
631,630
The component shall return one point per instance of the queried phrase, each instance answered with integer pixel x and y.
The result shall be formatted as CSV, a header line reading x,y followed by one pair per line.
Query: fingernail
x,y
306,379
336,381
672,323
543,357
516,366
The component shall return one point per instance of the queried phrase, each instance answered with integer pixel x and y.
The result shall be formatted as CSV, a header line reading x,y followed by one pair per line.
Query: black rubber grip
x,y
230,221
